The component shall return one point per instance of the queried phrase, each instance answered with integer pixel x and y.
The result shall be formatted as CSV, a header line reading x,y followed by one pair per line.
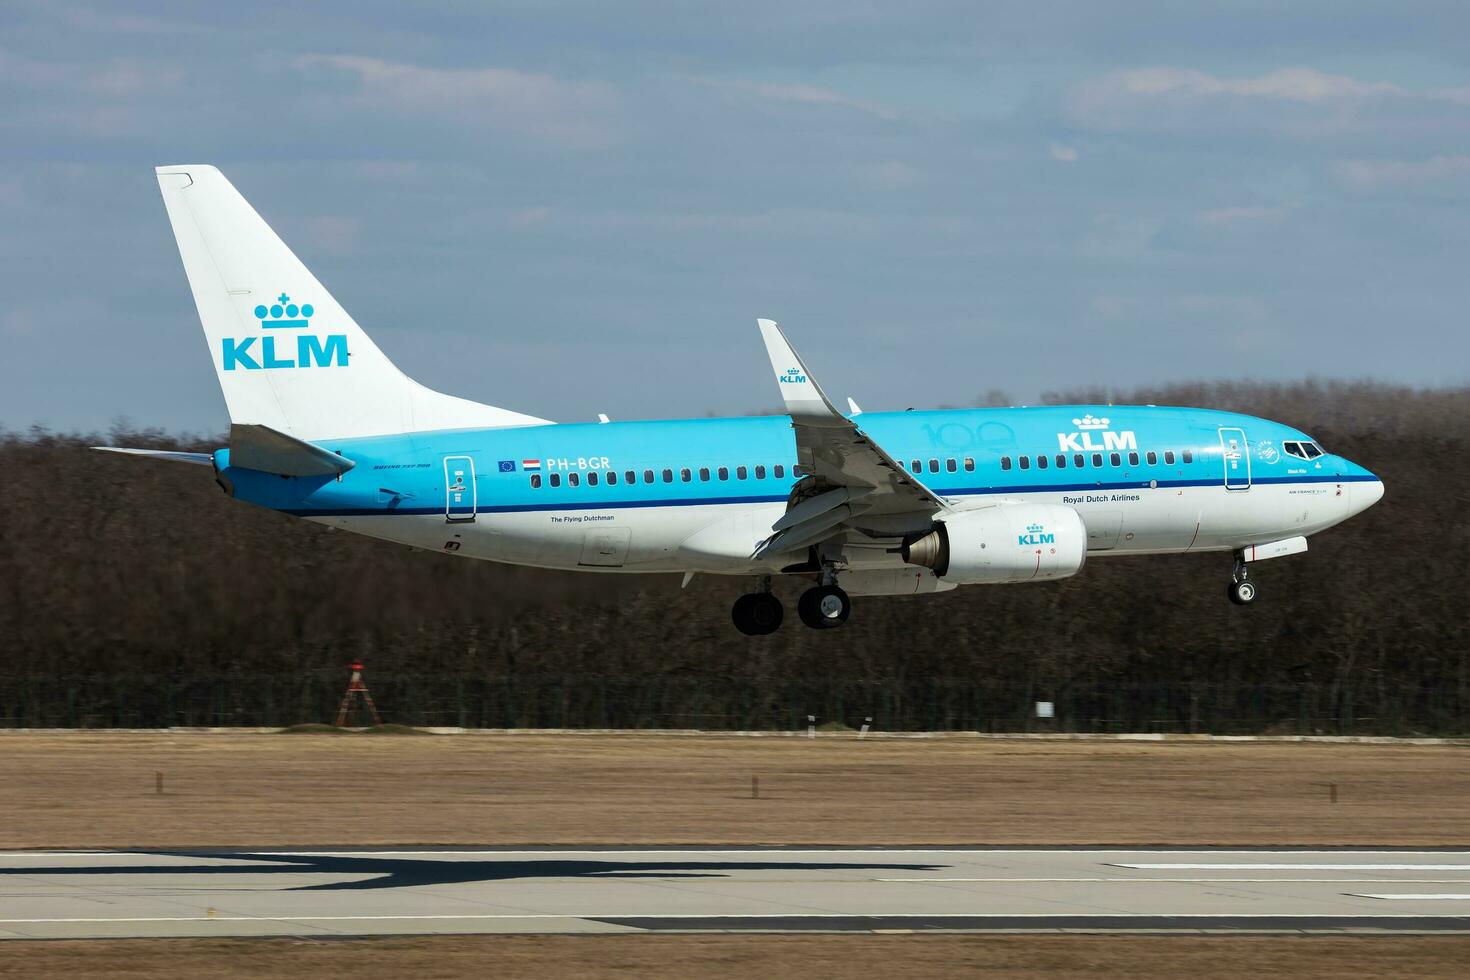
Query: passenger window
x,y
969,464
1168,457
592,478
612,478
1188,456
631,477
760,472
1097,459
1061,461
668,476
704,474
535,481
1025,462
1115,459
574,479
933,465
916,466
779,471
1153,458
739,473
1132,459
951,465
648,476
723,472
1041,462
686,475
1005,462
1079,461
556,479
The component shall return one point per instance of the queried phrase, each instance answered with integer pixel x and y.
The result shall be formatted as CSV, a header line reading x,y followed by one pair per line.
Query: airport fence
x,y
934,704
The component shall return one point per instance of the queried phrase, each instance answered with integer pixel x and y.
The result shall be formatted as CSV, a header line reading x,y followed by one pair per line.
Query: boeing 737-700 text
x,y
324,427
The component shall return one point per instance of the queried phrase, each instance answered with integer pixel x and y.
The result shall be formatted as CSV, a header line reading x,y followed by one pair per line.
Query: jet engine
x,y
1004,543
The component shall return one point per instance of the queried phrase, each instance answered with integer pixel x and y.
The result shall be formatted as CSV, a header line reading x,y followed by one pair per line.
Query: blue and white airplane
x,y
324,427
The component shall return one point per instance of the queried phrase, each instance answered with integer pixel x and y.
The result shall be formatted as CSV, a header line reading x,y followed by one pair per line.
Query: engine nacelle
x,y
1005,543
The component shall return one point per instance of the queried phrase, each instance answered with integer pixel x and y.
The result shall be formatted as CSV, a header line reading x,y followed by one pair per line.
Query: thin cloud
x,y
1375,173
572,113
1224,217
1063,153
801,94
1301,100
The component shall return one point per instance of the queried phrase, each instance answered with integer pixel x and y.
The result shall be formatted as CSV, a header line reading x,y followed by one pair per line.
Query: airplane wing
x,y
853,482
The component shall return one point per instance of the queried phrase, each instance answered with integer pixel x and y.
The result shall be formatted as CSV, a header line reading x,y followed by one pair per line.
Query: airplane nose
x,y
1366,494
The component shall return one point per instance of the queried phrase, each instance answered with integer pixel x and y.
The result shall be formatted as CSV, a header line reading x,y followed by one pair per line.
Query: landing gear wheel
x,y
824,607
1242,593
757,614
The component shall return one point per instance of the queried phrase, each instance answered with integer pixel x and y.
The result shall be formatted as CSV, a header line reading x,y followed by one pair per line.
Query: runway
x,y
348,892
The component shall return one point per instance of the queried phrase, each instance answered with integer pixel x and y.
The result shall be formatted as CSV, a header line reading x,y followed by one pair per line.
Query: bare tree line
x,y
128,569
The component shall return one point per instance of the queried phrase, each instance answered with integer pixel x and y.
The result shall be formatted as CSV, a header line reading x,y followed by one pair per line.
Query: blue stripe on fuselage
x,y
404,474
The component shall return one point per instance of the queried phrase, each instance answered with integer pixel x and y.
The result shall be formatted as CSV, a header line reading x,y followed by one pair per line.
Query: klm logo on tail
x,y
310,350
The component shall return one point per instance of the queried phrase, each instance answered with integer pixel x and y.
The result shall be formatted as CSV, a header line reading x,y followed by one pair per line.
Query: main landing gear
x,y
823,607
758,613
1242,591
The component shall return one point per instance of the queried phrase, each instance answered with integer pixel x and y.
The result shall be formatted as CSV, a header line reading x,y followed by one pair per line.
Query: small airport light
x,y
1045,709
811,726
867,723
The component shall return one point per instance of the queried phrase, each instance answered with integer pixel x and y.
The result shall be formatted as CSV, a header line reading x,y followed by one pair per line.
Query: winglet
x,y
804,398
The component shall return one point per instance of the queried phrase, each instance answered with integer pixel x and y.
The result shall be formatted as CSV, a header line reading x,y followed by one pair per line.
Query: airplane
x,y
324,427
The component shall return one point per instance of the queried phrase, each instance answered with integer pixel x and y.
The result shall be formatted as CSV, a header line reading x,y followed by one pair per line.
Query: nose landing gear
x,y
1241,591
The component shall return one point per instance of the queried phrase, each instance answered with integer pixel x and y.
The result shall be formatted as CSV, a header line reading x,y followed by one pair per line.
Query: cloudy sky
x,y
567,208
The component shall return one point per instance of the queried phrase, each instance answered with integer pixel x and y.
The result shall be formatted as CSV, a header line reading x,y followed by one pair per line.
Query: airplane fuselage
x,y
699,494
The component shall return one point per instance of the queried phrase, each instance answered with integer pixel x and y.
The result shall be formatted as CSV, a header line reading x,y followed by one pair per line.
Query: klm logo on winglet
x,y
1036,534
793,376
310,350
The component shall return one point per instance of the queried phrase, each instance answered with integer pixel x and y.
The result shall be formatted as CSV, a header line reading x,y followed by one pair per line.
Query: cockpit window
x,y
1303,450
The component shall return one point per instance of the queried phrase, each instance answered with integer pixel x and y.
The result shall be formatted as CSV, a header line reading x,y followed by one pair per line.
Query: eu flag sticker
x,y
507,466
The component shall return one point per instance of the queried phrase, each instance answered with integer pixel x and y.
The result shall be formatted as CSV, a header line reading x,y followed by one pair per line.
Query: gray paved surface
x,y
47,895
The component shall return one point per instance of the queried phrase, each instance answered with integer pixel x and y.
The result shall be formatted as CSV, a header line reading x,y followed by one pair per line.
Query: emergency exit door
x,y
1235,451
459,489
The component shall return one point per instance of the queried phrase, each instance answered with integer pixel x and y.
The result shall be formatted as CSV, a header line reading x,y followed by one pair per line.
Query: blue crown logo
x,y
284,314
1035,528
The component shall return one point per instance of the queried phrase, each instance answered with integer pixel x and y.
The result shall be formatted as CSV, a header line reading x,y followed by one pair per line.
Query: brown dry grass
x,y
716,957
97,790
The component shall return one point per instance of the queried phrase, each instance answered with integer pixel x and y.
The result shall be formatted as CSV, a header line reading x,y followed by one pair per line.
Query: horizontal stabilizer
x,y
201,459
259,447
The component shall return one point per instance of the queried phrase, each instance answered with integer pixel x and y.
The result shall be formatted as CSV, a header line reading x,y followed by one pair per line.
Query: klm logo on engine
x,y
1036,534
265,354
1083,441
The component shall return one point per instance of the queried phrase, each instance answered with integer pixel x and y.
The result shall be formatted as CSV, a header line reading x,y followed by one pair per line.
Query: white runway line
x,y
1418,898
1190,881
1294,867
724,915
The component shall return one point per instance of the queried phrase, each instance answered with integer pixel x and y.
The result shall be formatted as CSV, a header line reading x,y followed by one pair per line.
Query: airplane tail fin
x,y
288,356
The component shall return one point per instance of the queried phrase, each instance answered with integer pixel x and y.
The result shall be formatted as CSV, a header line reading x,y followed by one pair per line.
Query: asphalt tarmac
x,y
350,892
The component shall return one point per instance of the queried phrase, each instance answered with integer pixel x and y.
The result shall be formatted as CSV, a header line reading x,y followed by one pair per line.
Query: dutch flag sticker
x,y
531,464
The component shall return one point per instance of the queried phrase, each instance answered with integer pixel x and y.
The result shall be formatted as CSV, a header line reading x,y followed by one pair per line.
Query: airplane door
x,y
1237,460
459,489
